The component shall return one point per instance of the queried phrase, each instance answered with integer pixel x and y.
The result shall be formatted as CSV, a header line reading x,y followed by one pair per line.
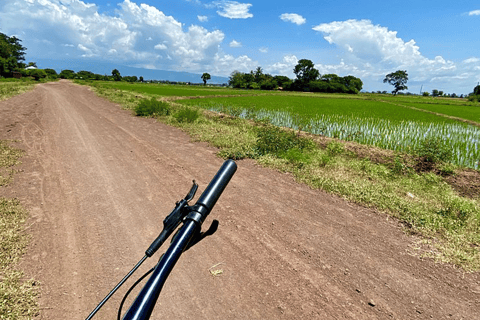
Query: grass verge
x,y
17,295
422,199
13,87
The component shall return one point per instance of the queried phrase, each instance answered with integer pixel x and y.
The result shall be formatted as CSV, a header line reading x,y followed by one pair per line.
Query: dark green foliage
x,y
187,115
206,76
297,157
152,107
37,74
276,141
116,75
305,71
67,74
12,55
474,98
434,150
476,90
398,79
51,73
335,148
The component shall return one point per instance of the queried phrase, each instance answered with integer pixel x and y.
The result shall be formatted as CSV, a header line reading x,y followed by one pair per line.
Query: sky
x,y
436,42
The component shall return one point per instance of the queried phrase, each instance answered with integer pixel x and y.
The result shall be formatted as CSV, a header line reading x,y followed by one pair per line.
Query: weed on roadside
x,y
152,107
17,296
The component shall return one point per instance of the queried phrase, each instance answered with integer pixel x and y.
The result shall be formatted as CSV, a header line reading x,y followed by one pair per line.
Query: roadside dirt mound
x,y
99,182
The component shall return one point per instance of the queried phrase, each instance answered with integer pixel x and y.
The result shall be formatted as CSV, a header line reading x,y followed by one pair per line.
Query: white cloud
x,y
263,50
293,17
474,13
202,18
138,35
161,46
370,51
233,9
471,60
285,67
235,44
225,64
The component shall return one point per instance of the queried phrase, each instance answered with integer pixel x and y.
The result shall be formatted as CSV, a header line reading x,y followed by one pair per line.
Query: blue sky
x,y
435,41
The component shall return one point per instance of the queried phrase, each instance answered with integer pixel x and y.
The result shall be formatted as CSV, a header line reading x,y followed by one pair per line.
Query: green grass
x,y
310,107
17,295
167,90
12,87
424,201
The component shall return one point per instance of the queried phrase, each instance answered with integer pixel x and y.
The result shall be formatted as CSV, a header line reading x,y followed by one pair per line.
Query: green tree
x,y
85,75
258,75
141,79
37,74
282,80
435,93
476,90
116,75
67,74
205,76
236,79
305,71
398,79
51,73
12,55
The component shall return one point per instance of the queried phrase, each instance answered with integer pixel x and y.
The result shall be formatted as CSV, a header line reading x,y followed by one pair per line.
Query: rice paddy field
x,y
381,123
167,90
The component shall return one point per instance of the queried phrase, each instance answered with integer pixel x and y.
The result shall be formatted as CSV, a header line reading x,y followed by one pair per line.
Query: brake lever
x,y
172,221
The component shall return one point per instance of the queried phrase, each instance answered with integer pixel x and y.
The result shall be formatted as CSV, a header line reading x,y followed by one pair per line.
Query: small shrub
x,y
152,107
433,150
274,140
187,115
335,148
399,166
474,98
324,160
296,156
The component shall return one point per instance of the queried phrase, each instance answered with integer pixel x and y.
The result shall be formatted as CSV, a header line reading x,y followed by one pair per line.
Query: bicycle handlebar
x,y
143,305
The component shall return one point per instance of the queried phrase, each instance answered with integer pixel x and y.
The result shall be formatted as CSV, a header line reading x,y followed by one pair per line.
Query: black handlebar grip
x,y
213,191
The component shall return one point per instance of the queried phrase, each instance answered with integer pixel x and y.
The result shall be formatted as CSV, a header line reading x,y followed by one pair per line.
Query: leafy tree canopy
x,y
67,74
116,75
476,90
398,79
206,76
305,71
12,54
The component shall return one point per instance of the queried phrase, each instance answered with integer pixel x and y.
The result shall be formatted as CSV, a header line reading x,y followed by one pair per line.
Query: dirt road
x,y
99,182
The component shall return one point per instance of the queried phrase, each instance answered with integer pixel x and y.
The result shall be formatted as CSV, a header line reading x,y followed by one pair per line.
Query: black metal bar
x,y
143,305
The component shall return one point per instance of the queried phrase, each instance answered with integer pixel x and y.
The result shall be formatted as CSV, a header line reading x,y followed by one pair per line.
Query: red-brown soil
x,y
98,183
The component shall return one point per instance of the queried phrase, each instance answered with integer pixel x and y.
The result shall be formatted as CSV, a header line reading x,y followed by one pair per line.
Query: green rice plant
x,y
403,136
152,107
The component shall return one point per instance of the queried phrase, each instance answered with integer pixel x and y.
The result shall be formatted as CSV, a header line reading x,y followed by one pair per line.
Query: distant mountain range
x,y
106,68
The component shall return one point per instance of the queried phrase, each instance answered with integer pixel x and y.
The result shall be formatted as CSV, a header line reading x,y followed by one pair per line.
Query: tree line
x,y
308,79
